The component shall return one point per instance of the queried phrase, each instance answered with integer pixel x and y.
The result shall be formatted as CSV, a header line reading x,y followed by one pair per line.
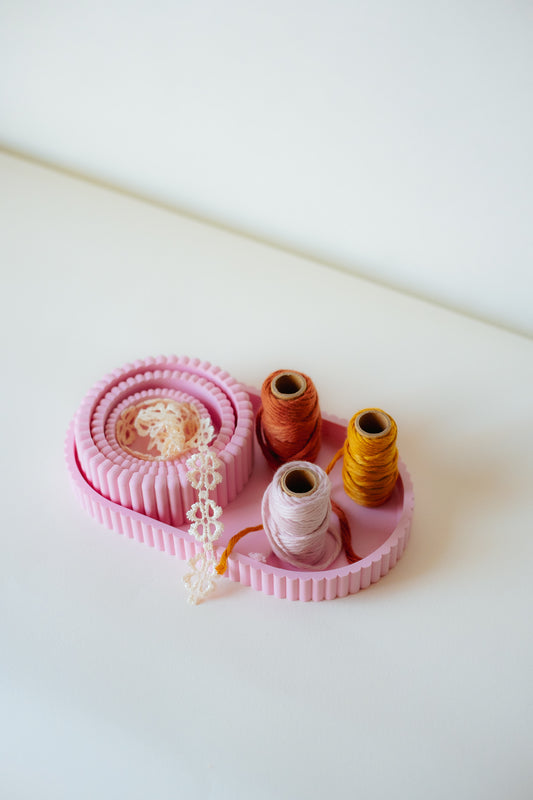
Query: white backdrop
x,y
388,138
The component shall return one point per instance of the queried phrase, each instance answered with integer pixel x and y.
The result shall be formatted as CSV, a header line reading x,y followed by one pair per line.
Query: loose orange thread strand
x,y
346,533
334,460
223,562
343,520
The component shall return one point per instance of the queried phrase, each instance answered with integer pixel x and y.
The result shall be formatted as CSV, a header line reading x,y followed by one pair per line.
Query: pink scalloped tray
x,y
379,535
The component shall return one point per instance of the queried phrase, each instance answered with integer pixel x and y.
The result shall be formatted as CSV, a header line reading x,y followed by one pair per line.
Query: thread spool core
x,y
288,385
299,482
373,423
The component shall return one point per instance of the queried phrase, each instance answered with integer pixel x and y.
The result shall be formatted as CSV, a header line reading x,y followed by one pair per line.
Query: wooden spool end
x,y
299,482
372,423
288,385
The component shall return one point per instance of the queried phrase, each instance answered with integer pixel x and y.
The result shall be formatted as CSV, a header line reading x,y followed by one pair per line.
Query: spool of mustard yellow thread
x,y
370,464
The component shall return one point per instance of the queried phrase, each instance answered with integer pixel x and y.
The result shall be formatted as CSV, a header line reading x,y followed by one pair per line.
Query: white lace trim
x,y
204,515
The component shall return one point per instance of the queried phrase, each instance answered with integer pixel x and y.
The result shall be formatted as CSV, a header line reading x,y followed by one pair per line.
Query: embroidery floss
x,y
296,518
288,424
370,465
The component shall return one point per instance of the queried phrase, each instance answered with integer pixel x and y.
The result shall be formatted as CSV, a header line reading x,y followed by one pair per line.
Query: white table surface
x,y
111,685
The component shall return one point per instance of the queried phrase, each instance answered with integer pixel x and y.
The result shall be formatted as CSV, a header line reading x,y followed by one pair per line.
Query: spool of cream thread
x,y
299,481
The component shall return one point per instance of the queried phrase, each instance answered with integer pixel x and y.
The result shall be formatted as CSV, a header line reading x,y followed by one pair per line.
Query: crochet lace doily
x,y
166,426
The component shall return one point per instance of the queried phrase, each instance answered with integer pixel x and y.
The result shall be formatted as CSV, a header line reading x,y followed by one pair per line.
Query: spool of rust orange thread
x,y
289,424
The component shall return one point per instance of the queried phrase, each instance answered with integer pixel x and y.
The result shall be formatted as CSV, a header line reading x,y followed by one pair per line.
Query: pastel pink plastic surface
x,y
159,489
379,535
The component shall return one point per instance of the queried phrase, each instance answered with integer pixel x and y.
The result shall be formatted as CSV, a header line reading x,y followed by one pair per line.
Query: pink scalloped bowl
x,y
160,489
379,535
